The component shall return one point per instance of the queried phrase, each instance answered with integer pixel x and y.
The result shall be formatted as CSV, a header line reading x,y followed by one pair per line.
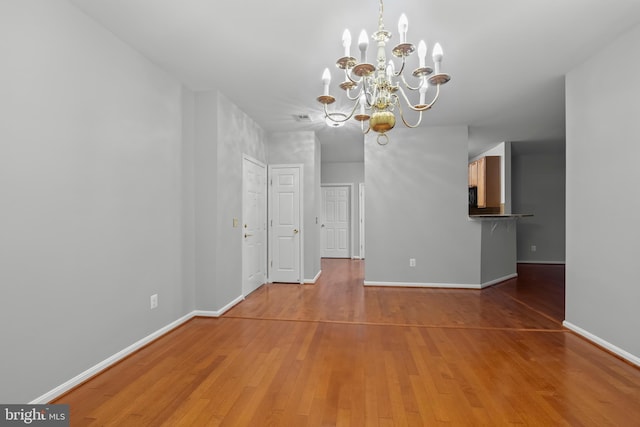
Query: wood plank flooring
x,y
337,353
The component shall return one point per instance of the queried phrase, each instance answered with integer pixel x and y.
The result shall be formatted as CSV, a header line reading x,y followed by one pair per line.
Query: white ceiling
x,y
507,58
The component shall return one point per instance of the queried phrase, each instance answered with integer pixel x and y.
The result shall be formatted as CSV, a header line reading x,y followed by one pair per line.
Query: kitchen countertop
x,y
499,216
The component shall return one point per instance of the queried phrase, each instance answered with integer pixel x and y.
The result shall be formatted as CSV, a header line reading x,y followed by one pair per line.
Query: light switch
x,y
235,222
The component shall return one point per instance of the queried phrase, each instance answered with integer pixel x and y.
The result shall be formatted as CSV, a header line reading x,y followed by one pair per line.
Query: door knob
x,y
295,231
247,235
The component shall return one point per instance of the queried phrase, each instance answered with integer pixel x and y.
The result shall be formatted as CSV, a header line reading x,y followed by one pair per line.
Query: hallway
x,y
535,300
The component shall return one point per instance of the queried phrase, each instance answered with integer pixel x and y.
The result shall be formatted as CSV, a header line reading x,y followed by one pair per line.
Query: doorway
x,y
335,228
361,218
285,224
254,224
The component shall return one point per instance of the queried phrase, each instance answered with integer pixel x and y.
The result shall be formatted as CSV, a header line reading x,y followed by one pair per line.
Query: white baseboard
x,y
540,262
355,257
441,285
205,313
79,379
315,279
422,285
220,312
112,360
499,280
602,343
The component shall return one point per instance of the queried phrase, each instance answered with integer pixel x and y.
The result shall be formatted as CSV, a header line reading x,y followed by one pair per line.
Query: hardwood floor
x,y
337,353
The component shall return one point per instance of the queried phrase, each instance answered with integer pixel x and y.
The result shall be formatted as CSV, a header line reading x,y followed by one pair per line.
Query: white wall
x,y
602,290
303,148
90,184
347,173
538,178
417,207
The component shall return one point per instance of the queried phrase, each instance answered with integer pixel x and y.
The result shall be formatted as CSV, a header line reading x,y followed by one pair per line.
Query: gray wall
x,y
206,199
538,188
417,206
223,134
303,148
317,170
90,183
602,291
238,134
498,250
347,173
188,226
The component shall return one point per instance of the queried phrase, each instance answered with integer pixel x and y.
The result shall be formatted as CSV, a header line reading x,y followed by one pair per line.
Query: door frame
x,y
361,218
264,255
351,212
270,199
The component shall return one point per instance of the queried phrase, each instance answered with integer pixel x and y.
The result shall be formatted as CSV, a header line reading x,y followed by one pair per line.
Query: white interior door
x,y
254,224
286,226
335,231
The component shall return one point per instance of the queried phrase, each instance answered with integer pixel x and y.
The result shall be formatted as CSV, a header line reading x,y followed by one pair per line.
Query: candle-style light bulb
x,y
326,79
363,43
346,42
363,102
423,90
437,57
422,53
391,70
403,26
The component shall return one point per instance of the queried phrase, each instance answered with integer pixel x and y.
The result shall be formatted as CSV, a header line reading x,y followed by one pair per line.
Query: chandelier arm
x,y
399,73
367,94
348,76
364,132
426,107
405,121
355,97
366,87
329,115
408,86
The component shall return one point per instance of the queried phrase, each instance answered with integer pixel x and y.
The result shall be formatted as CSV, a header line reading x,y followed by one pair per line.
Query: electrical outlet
x,y
412,262
154,301
533,248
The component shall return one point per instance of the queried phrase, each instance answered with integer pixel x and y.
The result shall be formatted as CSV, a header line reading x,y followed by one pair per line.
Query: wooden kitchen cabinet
x,y
486,176
473,174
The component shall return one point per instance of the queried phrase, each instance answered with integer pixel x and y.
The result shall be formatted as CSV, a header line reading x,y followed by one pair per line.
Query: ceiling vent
x,y
302,118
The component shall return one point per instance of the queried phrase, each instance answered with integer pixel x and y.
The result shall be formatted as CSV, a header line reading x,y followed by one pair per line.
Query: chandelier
x,y
378,90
